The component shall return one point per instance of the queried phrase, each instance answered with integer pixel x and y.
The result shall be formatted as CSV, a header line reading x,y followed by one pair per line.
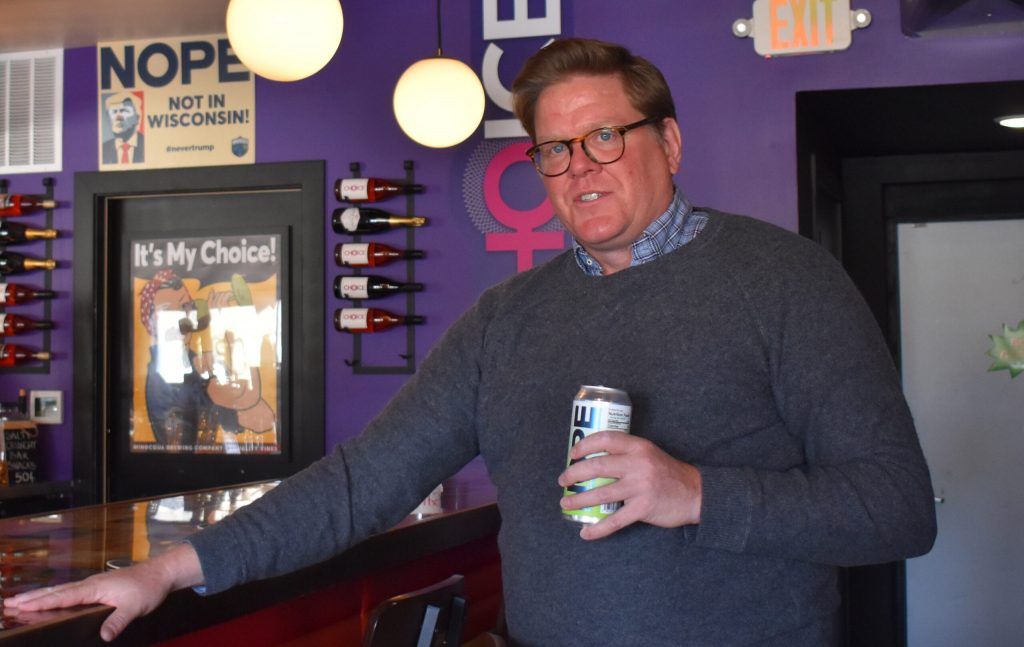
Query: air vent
x,y
31,88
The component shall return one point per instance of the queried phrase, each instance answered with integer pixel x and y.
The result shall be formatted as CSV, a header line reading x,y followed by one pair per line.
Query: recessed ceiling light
x,y
1011,121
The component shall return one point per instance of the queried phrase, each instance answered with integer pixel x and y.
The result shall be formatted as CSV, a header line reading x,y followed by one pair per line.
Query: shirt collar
x,y
132,141
666,233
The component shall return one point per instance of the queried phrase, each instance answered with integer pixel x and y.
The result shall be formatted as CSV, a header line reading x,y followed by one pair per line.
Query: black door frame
x,y
91,426
877,193
882,191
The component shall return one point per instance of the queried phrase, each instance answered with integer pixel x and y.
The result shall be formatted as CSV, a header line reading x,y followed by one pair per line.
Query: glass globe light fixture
x,y
439,102
284,40
1011,121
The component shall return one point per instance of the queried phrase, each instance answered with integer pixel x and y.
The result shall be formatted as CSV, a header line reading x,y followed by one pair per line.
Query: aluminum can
x,y
594,409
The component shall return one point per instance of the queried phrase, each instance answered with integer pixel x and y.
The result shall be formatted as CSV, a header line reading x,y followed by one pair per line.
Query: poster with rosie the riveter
x,y
174,102
206,345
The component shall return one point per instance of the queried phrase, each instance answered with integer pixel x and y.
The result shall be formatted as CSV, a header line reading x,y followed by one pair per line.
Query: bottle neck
x,y
39,264
413,221
32,234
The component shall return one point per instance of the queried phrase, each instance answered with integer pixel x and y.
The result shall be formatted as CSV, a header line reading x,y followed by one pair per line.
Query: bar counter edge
x,y
409,556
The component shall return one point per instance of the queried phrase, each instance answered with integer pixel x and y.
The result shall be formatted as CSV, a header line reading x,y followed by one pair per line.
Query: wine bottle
x,y
367,221
364,320
14,263
370,254
371,189
19,204
16,232
6,412
15,355
15,293
370,287
20,325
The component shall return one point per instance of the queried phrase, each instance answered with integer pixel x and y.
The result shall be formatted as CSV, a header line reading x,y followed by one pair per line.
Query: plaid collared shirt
x,y
671,230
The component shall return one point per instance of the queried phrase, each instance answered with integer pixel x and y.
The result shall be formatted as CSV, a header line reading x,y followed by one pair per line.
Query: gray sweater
x,y
747,352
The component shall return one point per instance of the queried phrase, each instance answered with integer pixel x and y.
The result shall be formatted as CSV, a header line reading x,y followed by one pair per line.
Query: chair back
x,y
430,617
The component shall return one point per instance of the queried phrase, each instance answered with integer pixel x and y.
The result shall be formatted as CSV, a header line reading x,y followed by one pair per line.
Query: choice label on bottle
x,y
355,254
355,188
354,318
350,219
354,287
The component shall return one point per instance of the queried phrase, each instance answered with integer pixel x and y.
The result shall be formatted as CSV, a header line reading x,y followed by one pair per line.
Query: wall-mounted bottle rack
x,y
359,367
41,366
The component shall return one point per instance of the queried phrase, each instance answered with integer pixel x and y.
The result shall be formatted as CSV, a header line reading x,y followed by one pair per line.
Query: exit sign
x,y
787,27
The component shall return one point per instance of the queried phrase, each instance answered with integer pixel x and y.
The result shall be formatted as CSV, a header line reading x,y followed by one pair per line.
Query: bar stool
x,y
430,617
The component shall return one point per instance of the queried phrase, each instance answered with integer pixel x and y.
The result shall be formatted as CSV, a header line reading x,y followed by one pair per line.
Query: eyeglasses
x,y
602,145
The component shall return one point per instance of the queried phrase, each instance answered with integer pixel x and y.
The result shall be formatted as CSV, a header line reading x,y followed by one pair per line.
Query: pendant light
x,y
284,40
1011,121
439,101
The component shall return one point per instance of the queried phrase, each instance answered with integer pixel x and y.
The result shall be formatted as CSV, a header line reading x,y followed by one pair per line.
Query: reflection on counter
x,y
55,548
70,545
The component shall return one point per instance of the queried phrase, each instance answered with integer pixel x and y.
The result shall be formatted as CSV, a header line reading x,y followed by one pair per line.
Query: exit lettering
x,y
784,27
800,24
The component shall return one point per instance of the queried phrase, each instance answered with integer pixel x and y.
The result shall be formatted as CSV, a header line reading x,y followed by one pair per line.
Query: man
x,y
770,443
127,146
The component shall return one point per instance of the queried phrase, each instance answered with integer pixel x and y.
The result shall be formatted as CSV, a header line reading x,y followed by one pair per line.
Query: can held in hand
x,y
594,409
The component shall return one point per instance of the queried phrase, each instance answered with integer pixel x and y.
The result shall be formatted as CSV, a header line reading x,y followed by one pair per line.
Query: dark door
x,y
891,202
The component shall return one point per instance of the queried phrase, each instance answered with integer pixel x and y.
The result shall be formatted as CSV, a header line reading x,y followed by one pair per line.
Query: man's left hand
x,y
654,487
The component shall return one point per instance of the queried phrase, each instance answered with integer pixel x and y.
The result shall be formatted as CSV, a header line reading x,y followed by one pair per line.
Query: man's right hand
x,y
133,591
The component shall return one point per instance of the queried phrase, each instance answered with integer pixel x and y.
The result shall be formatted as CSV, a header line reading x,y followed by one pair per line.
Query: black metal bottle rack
x,y
43,366
359,367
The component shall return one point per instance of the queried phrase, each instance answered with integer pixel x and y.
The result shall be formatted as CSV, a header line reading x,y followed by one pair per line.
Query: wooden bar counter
x,y
325,604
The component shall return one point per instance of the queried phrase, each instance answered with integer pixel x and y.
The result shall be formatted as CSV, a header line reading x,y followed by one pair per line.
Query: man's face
x,y
606,206
123,118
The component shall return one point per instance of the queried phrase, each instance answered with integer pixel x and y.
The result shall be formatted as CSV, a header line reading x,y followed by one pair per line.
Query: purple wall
x,y
736,111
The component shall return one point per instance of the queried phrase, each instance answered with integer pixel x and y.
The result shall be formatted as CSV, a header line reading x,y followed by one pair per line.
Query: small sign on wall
x,y
21,445
174,102
787,27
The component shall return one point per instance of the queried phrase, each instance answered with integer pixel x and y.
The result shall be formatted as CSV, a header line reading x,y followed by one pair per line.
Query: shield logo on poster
x,y
239,146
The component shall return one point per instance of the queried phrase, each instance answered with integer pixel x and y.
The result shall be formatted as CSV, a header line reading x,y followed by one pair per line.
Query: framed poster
x,y
199,308
206,342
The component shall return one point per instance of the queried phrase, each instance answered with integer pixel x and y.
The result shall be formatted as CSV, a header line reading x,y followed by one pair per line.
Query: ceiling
x,y
44,24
